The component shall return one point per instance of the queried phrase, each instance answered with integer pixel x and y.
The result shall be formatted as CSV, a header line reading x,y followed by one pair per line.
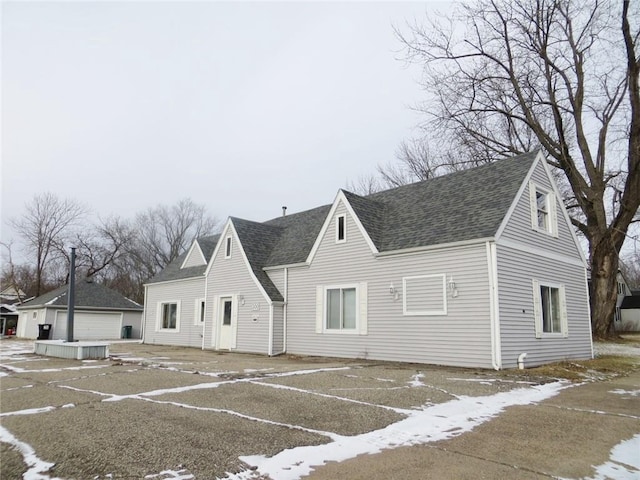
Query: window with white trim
x,y
543,210
424,295
550,309
227,247
169,315
341,229
199,311
342,309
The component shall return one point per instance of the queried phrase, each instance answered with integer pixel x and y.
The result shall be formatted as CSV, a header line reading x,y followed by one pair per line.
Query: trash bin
x,y
44,330
127,331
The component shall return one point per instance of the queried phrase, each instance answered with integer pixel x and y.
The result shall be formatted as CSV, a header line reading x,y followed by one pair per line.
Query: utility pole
x,y
71,293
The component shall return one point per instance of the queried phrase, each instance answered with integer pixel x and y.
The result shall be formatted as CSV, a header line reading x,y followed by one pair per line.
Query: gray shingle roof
x,y
173,270
465,205
300,231
87,294
258,240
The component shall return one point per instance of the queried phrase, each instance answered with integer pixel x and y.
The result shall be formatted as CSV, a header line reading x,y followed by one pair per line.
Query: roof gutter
x,y
416,250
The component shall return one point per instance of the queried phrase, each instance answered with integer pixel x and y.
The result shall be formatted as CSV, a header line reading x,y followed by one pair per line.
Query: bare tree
x,y
164,232
365,185
46,222
508,76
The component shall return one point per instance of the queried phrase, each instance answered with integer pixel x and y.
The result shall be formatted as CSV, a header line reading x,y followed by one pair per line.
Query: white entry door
x,y
225,323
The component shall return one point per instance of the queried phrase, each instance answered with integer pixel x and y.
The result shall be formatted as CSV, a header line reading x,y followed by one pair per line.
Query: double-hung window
x,y
543,210
169,316
341,309
549,309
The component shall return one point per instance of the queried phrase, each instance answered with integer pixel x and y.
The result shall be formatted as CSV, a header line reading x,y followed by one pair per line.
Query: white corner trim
x,y
223,235
246,262
494,306
340,198
516,199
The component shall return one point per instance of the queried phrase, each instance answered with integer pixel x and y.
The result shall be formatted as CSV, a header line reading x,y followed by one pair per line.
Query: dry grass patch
x,y
600,368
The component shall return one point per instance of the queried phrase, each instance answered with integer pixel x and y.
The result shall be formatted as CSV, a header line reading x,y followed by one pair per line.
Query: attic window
x,y
227,248
543,210
341,234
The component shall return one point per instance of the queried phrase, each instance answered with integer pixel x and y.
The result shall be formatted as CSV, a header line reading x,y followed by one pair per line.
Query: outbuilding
x,y
100,313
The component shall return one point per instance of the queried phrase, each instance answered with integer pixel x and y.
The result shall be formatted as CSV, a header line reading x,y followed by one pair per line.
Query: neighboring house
x,y
8,319
471,269
12,296
99,313
630,313
623,291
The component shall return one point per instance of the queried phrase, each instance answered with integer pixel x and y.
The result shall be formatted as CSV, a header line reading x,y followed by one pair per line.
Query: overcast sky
x,y
244,107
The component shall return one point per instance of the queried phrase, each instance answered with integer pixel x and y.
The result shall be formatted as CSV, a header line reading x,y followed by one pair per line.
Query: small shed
x,y
100,314
630,313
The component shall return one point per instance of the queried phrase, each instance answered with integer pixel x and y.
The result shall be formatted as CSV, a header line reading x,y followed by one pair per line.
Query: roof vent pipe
x,y
284,211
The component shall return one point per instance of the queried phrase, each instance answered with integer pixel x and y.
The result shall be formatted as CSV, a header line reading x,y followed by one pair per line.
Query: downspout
x,y
270,352
144,315
284,310
206,304
492,260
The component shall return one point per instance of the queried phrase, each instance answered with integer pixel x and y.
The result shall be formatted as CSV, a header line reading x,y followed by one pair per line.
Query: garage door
x,y
89,326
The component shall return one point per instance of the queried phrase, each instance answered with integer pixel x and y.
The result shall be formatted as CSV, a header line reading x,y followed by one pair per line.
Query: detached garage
x,y
100,314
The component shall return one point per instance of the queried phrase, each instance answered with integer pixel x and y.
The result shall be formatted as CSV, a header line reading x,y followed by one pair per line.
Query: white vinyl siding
x,y
520,275
194,257
184,291
520,227
464,339
278,330
424,295
228,277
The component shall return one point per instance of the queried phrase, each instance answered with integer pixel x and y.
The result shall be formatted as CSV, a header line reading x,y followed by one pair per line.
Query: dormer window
x,y
341,231
227,248
543,210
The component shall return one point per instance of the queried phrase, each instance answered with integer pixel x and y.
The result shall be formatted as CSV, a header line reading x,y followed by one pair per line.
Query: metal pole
x,y
71,293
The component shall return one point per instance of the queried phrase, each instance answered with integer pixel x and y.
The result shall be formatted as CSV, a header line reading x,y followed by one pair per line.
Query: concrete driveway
x,y
174,413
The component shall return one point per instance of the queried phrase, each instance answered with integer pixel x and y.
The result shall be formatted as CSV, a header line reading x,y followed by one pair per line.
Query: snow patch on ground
x,y
435,423
624,463
602,348
181,474
632,393
416,380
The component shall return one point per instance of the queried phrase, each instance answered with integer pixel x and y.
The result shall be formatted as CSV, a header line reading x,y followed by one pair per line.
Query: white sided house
x,y
99,313
478,268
